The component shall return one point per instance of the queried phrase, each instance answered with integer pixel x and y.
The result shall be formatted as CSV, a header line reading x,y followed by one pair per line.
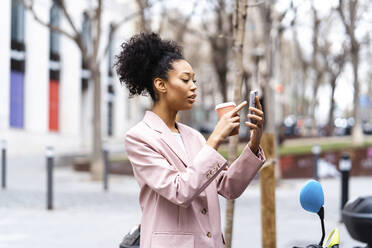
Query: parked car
x,y
343,126
288,128
367,128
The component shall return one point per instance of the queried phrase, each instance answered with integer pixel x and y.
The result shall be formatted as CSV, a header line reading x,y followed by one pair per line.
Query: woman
x,y
178,171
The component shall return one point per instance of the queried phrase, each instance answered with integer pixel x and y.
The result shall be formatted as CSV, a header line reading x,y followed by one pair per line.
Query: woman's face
x,y
180,93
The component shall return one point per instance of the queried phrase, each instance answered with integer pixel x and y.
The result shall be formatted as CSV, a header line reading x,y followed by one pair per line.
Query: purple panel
x,y
369,152
16,99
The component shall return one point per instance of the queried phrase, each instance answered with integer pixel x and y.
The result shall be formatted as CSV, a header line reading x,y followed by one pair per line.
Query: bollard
x,y
3,164
316,150
50,160
106,168
345,167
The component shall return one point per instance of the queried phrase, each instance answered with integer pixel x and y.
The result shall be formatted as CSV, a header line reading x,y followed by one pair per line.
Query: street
x,y
86,216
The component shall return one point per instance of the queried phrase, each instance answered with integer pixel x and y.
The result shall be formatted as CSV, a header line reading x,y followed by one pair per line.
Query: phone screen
x,y
252,103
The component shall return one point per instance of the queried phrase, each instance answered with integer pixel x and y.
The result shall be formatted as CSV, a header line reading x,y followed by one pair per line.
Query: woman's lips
x,y
192,100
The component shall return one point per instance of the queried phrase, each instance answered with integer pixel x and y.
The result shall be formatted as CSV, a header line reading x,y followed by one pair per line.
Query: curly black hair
x,y
142,59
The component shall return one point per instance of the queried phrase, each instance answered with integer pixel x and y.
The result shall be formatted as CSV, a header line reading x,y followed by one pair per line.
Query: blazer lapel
x,y
156,123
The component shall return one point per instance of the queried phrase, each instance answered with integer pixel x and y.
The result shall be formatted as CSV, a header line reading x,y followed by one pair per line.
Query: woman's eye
x,y
187,80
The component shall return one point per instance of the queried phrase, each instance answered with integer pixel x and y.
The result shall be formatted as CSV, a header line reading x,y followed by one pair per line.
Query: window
x,y
53,104
17,65
110,118
16,99
54,20
85,74
18,21
110,90
54,68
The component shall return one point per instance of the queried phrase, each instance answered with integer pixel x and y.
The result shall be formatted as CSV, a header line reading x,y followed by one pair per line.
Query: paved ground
x,y
86,216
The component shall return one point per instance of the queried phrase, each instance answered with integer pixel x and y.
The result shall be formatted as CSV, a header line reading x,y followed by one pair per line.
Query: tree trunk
x,y
144,23
357,132
267,174
97,154
332,108
314,103
220,60
269,93
349,21
221,74
239,34
267,192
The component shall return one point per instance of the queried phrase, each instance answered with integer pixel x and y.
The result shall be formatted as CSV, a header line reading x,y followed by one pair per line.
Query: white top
x,y
180,141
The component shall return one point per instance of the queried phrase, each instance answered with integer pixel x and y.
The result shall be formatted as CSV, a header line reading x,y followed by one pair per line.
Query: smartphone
x,y
252,103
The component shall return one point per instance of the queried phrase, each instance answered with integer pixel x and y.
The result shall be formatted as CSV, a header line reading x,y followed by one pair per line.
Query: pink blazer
x,y
178,196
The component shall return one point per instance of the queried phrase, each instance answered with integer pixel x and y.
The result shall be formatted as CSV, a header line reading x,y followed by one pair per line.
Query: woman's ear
x,y
160,85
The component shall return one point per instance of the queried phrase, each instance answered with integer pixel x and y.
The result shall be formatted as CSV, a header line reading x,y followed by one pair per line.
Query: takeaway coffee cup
x,y
222,108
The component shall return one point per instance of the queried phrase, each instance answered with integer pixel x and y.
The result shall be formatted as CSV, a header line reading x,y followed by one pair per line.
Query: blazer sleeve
x,y
232,182
153,169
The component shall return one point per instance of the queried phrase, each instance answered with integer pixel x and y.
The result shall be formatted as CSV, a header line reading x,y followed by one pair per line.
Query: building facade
x,y
46,96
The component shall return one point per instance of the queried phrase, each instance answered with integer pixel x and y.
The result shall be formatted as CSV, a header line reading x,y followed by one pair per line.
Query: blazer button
x,y
209,235
204,211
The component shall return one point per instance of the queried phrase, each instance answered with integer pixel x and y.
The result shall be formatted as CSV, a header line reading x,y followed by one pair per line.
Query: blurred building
x,y
46,97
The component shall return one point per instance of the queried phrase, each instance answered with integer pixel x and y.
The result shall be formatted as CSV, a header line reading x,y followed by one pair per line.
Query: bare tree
x,y
266,16
334,64
317,66
350,14
304,65
220,41
312,66
92,58
271,21
240,16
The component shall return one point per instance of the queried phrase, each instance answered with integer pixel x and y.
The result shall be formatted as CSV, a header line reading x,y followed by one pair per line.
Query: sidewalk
x,y
86,216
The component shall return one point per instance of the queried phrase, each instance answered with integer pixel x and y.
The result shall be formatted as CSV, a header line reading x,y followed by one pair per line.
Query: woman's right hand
x,y
225,126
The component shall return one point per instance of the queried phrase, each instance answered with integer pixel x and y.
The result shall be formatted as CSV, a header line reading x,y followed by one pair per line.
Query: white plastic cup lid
x,y
225,104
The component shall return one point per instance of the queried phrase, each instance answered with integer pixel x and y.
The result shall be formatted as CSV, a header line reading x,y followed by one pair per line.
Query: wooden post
x,y
267,189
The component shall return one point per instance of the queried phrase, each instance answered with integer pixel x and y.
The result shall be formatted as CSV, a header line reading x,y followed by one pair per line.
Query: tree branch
x,y
341,12
255,4
315,42
68,17
300,56
30,8
115,26
192,31
186,22
98,30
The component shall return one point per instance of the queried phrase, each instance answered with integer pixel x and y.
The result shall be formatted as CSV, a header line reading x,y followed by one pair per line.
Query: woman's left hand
x,y
256,129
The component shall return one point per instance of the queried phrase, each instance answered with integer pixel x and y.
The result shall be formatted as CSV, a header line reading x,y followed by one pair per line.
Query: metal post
x,y
345,167
106,168
3,164
50,160
316,149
